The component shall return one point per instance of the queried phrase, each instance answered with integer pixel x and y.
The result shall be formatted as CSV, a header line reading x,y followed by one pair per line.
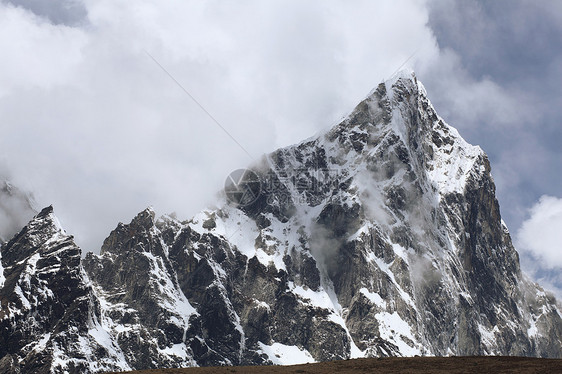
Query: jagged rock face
x,y
379,237
48,316
144,311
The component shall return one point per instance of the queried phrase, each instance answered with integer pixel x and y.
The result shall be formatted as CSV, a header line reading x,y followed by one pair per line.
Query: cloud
x,y
541,234
92,125
511,41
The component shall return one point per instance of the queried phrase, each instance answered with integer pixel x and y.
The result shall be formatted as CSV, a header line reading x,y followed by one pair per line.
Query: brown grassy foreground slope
x,y
392,365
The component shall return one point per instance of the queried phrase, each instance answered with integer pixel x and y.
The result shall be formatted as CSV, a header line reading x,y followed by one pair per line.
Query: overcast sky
x,y
92,125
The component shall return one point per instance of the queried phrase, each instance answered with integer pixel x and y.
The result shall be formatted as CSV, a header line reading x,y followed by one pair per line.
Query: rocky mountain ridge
x,y
379,237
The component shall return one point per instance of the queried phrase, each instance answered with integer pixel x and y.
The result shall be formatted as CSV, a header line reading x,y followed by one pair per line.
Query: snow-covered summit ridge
x,y
449,158
48,215
400,107
38,237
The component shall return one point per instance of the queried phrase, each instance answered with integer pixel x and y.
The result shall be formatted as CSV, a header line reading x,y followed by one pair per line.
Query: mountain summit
x,y
379,237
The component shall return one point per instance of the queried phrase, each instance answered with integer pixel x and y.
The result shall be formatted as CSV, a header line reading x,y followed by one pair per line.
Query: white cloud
x,y
37,53
541,234
93,126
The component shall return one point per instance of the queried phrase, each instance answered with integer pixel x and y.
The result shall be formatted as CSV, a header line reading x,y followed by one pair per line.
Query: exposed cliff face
x,y
379,237
48,319
144,311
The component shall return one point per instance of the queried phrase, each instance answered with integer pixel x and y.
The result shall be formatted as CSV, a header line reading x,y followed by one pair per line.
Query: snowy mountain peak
x,y
36,238
145,218
380,237
405,72
47,306
399,109
47,217
126,236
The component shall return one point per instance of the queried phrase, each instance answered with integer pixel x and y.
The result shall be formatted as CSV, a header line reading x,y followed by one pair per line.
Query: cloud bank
x,y
91,124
